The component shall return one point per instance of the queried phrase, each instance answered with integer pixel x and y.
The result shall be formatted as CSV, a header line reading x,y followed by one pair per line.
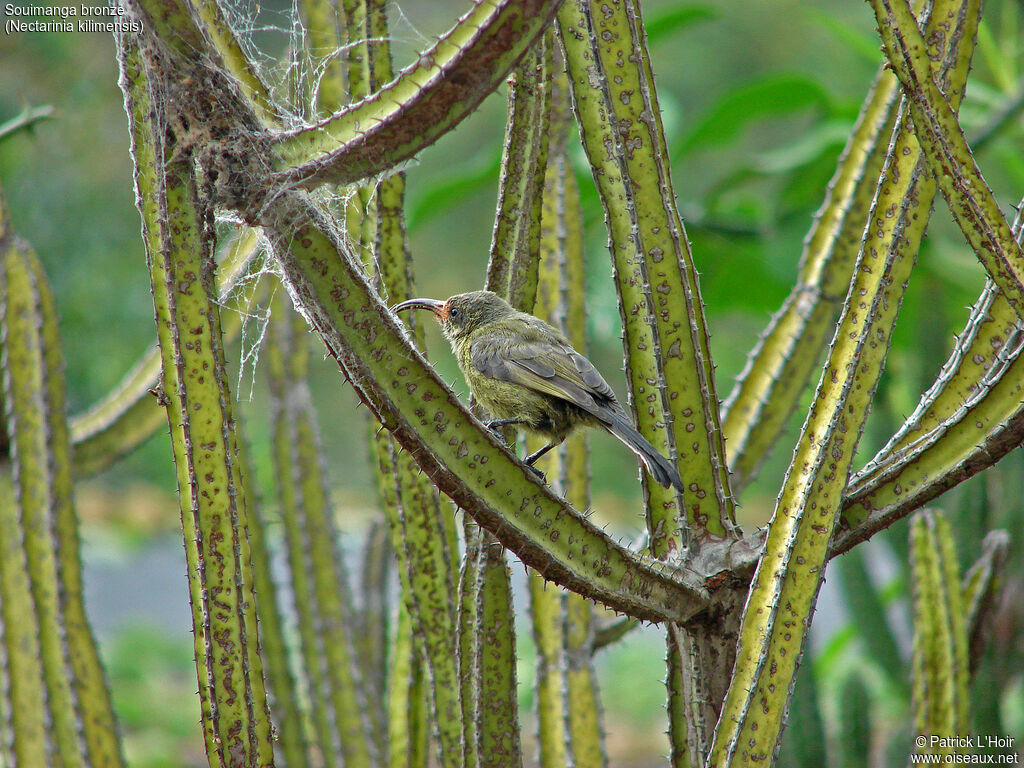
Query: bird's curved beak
x,y
433,305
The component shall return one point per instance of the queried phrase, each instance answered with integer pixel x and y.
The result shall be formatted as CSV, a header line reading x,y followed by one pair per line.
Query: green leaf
x,y
862,44
820,138
767,97
663,25
464,182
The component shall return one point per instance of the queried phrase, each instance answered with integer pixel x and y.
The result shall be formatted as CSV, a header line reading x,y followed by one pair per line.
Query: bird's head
x,y
462,314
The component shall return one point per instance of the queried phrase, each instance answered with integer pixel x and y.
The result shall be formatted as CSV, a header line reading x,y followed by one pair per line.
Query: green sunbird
x,y
524,372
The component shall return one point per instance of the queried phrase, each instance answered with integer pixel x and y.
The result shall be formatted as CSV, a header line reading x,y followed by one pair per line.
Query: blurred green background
x,y
757,98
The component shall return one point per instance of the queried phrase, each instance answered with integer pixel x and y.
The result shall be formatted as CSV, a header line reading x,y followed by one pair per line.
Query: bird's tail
x,y
658,466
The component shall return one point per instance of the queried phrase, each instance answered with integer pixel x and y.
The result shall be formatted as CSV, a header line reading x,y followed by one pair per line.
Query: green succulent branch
x,y
668,359
319,578
373,627
940,664
30,429
24,708
422,534
512,269
177,233
214,515
982,587
950,158
488,618
785,586
969,418
25,121
496,705
54,679
980,357
408,713
782,362
292,742
423,102
469,641
570,731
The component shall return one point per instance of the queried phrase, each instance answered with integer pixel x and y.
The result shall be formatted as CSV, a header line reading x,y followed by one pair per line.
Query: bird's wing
x,y
545,366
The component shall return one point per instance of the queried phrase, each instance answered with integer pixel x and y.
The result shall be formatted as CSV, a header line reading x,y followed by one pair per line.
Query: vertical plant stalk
x,y
147,126
213,511
686,726
941,670
358,17
701,656
547,619
469,640
788,576
422,534
300,569
497,702
25,723
408,713
547,602
566,694
345,81
291,743
515,242
374,619
488,620
29,430
320,579
55,697
88,681
583,703
179,239
668,359
324,87
422,537
855,731
982,587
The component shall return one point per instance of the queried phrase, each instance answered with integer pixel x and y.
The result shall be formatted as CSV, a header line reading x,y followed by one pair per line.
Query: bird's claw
x,y
496,425
540,475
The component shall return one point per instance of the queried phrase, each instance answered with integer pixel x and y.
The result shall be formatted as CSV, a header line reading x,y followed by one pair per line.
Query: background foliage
x,y
758,100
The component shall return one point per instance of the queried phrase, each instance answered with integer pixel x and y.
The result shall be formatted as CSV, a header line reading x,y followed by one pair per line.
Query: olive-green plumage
x,y
524,372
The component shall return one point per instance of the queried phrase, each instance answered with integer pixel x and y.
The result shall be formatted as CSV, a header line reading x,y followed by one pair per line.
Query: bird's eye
x,y
454,312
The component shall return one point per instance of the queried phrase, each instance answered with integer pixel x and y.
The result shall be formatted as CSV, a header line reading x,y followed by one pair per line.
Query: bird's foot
x,y
496,431
496,426
540,475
